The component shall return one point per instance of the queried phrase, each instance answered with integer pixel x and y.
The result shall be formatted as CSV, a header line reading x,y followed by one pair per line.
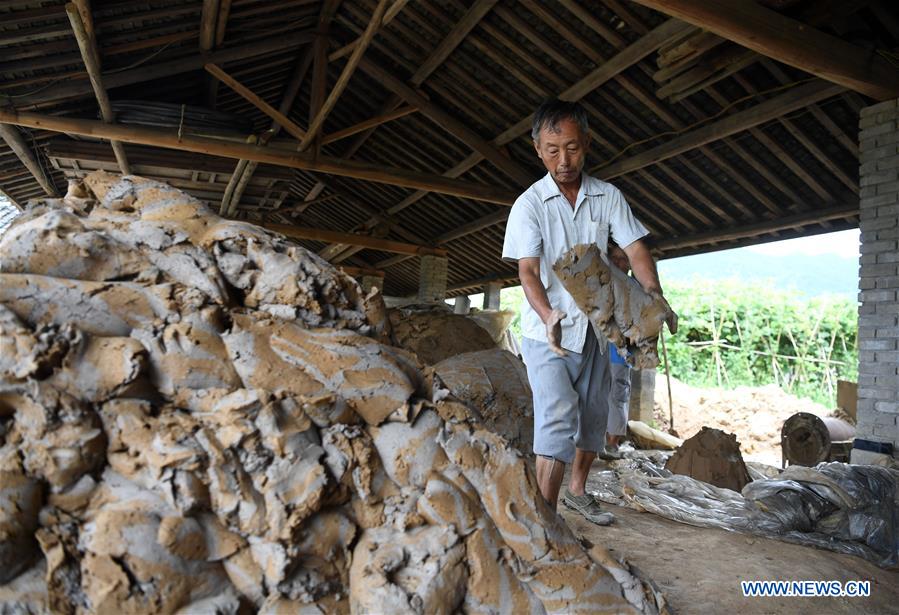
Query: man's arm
x,y
535,293
644,267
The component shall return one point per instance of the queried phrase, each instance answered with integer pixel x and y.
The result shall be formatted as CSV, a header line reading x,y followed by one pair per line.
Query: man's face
x,y
563,152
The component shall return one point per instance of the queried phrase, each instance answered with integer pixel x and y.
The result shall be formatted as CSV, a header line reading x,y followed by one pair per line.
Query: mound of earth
x,y
197,415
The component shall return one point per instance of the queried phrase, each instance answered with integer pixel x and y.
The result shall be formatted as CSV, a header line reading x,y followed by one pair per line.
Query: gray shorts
x,y
571,397
619,399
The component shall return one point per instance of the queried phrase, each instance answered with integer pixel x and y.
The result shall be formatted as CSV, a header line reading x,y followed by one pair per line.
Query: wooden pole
x,y
366,124
277,117
375,243
17,144
267,155
668,379
87,44
322,113
773,108
789,41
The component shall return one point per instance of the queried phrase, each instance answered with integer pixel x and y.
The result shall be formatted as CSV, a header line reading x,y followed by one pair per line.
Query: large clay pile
x,y
434,333
713,457
197,416
628,316
494,385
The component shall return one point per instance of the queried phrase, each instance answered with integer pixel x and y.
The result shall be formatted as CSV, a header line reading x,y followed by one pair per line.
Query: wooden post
x,y
17,144
90,54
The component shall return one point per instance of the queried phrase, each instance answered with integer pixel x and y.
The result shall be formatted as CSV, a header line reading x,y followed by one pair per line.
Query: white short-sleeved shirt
x,y
543,224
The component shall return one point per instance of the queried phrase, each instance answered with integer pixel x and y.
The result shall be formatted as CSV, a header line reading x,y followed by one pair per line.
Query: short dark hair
x,y
552,111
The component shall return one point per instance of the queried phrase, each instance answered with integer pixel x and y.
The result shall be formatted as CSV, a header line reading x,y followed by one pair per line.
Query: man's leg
x,y
549,478
555,412
580,469
619,400
592,385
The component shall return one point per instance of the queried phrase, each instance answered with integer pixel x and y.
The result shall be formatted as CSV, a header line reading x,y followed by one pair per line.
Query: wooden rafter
x,y
617,64
202,145
322,113
17,144
392,12
79,13
789,41
366,241
277,116
796,98
150,72
452,125
471,18
372,122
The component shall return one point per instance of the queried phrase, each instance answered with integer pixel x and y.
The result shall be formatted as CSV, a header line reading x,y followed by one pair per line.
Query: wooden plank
x,y
366,241
79,13
466,24
796,98
369,123
392,12
203,145
277,117
343,80
17,144
789,41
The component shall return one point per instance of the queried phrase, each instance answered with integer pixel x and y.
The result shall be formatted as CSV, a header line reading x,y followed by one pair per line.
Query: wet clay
x,y
711,456
619,307
434,333
197,415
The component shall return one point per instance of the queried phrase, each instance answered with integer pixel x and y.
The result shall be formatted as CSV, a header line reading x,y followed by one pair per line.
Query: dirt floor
x,y
699,569
755,414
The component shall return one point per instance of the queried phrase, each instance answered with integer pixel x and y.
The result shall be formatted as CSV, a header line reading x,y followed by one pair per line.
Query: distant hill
x,y
811,275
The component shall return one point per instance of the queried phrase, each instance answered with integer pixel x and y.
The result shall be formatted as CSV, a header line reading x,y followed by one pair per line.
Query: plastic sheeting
x,y
836,506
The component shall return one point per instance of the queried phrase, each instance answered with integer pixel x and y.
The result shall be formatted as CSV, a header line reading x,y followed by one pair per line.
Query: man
x,y
620,376
566,362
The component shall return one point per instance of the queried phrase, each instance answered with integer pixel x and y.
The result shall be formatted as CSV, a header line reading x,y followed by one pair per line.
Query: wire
x,y
725,109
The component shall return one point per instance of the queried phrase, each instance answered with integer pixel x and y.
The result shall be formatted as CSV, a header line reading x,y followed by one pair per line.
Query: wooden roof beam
x,y
284,158
392,12
457,128
277,116
74,89
377,120
17,144
791,100
471,18
752,230
789,41
79,13
365,241
322,113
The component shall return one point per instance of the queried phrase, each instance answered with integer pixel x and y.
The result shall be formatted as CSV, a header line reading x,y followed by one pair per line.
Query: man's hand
x,y
670,316
554,332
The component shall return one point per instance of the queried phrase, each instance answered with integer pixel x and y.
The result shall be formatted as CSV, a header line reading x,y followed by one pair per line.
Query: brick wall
x,y
432,279
878,314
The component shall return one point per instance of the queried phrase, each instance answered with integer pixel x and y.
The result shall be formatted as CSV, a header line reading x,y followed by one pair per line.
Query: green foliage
x,y
732,333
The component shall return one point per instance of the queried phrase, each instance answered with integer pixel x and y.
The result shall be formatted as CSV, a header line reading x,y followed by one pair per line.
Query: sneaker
x,y
587,506
610,453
